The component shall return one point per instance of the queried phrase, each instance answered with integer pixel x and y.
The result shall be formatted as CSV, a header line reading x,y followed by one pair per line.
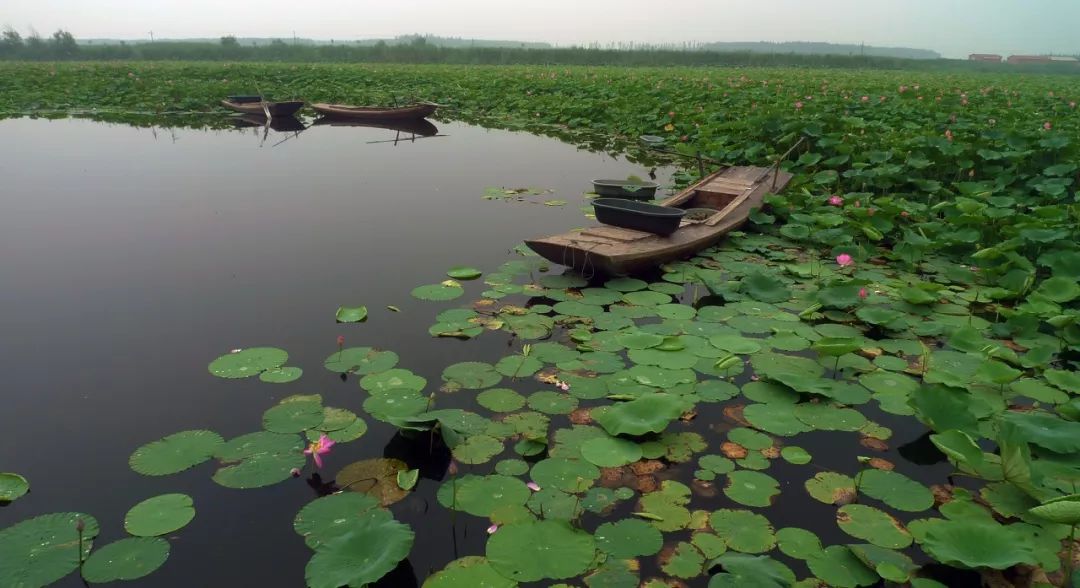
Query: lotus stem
x,y
1070,554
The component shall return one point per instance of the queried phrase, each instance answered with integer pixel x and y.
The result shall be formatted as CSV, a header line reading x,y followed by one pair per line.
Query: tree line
x,y
63,46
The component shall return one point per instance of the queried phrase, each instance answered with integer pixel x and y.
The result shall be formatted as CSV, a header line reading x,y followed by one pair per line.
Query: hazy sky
x,y
951,27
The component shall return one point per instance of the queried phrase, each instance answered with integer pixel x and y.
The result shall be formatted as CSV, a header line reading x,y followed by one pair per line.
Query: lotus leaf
x,y
870,524
540,550
751,488
248,362
360,360
448,290
392,379
685,561
798,543
332,516
461,272
743,530
371,548
44,549
481,495
837,566
610,452
175,453
351,314
977,544
471,375
741,571
374,477
895,490
468,572
831,488
651,413
477,449
12,486
568,475
126,559
628,538
159,515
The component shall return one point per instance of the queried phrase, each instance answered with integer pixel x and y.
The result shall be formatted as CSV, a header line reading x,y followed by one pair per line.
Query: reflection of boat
x,y
281,124
256,105
415,111
421,127
730,193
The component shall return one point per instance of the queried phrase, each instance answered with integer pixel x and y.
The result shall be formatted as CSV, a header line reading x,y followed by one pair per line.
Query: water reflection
x,y
280,124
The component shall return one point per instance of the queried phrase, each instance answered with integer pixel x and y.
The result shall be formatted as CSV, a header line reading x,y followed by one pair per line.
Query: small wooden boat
x,y
256,105
413,112
730,194
419,127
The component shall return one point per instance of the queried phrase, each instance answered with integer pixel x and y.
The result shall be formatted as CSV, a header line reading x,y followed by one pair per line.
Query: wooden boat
x,y
731,193
415,111
256,105
419,127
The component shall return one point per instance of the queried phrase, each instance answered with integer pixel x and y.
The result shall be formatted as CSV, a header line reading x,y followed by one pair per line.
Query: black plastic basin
x,y
631,189
640,216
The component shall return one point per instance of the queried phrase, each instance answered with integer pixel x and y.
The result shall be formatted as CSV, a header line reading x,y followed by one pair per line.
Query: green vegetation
x,y
922,267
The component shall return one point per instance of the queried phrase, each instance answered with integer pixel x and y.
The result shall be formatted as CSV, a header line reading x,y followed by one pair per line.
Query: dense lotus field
x,y
921,271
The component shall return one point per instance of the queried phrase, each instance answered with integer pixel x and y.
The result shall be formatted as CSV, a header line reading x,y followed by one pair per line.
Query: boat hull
x,y
616,251
276,108
366,113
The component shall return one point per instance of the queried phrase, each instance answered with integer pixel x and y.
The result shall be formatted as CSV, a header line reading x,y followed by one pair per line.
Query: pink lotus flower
x,y
844,260
863,293
865,98
452,469
317,449
904,213
340,342
491,530
1072,104
533,486
948,135
835,200
903,89
295,472
798,105
561,385
1047,126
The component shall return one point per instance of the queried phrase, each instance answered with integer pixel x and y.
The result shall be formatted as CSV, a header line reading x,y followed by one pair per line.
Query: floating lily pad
x,y
351,314
332,516
685,561
281,375
248,362
745,570
335,419
743,530
463,272
360,360
551,402
468,572
159,515
396,378
568,475
518,366
798,543
258,459
374,477
837,566
126,559
293,417
371,548
651,413
482,495
175,453
395,403
560,282
872,525
349,433
795,455
977,544
501,400
889,564
831,488
471,375
12,486
44,549
895,490
610,452
477,449
826,417
540,550
626,284
628,538
646,298
448,290
751,488
776,418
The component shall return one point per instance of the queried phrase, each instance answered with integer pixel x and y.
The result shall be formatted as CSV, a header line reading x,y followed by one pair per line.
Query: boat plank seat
x,y
617,233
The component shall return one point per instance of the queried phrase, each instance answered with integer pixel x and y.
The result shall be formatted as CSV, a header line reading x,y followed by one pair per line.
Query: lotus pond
x,y
874,383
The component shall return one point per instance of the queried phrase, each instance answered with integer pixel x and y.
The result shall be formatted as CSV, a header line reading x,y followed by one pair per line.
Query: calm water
x,y
131,257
